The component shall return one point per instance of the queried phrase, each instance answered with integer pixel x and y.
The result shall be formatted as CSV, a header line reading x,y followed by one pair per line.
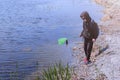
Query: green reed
x,y
57,72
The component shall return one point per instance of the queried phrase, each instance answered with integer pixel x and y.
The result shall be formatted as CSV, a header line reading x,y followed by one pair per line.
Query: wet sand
x,y
106,65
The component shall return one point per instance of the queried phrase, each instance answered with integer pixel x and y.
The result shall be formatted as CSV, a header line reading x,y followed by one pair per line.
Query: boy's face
x,y
84,19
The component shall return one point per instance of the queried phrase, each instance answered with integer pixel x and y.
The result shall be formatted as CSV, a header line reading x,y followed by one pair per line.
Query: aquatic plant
x,y
57,72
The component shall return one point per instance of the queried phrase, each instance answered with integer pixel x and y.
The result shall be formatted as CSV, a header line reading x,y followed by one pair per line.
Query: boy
x,y
90,32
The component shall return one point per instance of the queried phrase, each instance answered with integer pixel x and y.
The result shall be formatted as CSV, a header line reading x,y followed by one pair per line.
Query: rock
x,y
101,77
81,79
106,18
74,48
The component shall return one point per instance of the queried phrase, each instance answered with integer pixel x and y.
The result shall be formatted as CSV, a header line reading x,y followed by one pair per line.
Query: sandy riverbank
x,y
105,66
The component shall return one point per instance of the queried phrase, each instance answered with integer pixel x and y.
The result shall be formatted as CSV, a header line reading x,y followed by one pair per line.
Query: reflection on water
x,y
30,29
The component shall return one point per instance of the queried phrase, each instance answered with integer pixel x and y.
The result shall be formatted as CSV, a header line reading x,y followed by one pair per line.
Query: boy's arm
x,y
81,34
96,31
82,30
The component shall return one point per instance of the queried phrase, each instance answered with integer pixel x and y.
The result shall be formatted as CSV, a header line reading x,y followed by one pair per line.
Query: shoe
x,y
88,62
85,60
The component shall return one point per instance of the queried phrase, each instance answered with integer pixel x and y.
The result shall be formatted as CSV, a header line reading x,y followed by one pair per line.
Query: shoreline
x,y
111,29
106,65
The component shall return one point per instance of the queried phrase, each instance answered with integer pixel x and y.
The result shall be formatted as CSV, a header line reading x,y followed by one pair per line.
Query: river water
x,y
29,30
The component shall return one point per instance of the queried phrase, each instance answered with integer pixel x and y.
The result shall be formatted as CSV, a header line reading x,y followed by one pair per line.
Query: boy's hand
x,y
93,40
80,35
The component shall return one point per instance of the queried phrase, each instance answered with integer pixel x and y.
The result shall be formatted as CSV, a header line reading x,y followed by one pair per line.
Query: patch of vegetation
x,y
57,72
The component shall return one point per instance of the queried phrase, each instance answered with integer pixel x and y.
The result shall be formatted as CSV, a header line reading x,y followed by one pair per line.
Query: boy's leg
x,y
90,45
85,47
